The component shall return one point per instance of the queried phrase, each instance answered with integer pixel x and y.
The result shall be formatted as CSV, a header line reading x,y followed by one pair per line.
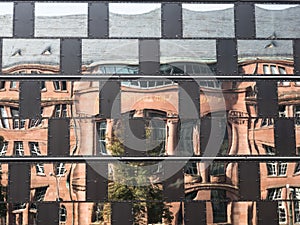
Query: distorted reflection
x,y
208,20
28,56
265,57
6,19
134,20
110,56
61,19
277,21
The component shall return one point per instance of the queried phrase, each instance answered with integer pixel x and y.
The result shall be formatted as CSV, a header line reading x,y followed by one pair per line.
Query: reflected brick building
x,y
245,134
231,104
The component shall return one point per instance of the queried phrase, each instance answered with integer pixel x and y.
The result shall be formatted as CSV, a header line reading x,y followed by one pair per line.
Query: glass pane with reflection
x,y
30,56
110,56
208,20
134,19
61,19
265,57
6,19
189,57
277,21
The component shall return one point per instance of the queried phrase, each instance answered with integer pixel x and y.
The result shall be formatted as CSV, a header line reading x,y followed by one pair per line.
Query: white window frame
x,y
35,151
297,115
60,169
282,213
4,121
19,148
17,122
274,193
63,213
3,150
58,85
60,110
283,114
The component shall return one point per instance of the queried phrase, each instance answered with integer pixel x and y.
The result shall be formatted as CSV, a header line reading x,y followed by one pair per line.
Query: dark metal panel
x,y
173,182
98,20
244,20
267,98
121,213
30,99
149,56
110,104
189,99
267,212
48,213
205,130
96,183
70,56
297,57
171,20
195,213
135,137
23,19
59,137
249,185
19,182
227,57
1,43
285,142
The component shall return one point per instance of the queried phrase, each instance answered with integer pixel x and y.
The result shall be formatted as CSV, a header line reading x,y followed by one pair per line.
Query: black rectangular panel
x,y
135,137
23,19
19,182
110,105
249,185
205,130
96,182
171,20
149,56
1,42
267,98
48,213
30,99
189,100
121,213
244,20
59,137
267,212
285,143
296,57
195,213
70,56
173,183
227,56
98,20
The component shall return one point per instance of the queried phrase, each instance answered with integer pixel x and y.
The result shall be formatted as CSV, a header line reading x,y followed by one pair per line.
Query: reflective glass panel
x,y
61,19
134,20
208,20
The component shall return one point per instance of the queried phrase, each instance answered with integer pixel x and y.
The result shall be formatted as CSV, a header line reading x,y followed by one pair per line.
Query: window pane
x,y
208,20
277,21
61,19
134,20
187,56
6,19
21,56
100,55
256,56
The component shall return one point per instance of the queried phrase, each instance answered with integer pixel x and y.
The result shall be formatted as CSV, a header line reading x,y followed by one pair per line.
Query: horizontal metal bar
x,y
83,159
162,77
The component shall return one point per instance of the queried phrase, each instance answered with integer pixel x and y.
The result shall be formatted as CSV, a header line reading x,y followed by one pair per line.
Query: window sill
x,y
41,174
61,91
